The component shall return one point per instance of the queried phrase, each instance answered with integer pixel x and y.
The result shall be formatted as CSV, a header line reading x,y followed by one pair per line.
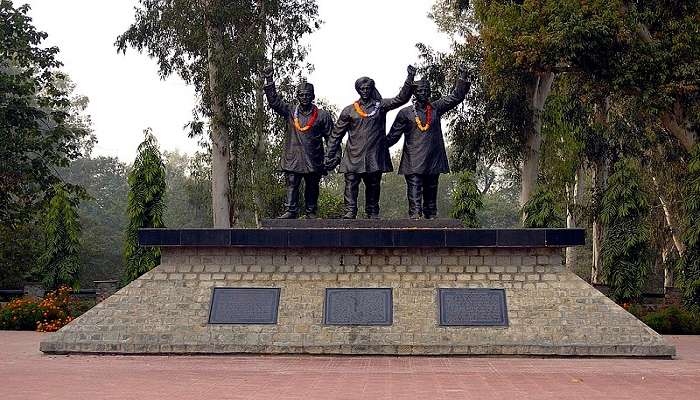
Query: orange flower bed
x,y
54,311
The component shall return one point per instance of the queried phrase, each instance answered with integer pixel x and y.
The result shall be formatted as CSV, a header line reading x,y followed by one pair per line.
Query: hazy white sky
x,y
127,96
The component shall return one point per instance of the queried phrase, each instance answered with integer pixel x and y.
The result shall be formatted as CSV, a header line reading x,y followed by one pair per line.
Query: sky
x,y
374,38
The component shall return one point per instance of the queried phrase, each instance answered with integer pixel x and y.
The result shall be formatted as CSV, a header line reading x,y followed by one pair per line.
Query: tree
x,y
186,208
59,263
146,206
220,47
102,216
37,132
543,210
626,252
467,200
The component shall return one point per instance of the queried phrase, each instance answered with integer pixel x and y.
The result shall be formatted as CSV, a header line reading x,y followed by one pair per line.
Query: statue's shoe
x,y
349,215
311,215
373,216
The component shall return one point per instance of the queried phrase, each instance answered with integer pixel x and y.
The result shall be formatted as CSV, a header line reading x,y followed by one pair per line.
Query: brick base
x,y
551,311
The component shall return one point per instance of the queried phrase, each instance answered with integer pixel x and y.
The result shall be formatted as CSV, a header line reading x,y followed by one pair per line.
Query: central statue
x,y
366,152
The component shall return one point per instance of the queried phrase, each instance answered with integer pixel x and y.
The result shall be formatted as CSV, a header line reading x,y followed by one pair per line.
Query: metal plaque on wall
x,y
472,307
358,306
244,306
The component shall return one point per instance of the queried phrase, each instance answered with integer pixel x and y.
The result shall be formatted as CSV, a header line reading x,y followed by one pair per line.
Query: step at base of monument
x,y
550,311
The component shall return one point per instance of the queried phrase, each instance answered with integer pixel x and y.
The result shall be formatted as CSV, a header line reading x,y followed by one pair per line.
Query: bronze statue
x,y
366,152
424,158
307,128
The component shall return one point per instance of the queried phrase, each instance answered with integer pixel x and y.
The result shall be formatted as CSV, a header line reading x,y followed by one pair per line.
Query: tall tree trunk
x,y
576,199
670,218
259,150
601,167
668,270
676,122
537,93
260,142
600,182
221,153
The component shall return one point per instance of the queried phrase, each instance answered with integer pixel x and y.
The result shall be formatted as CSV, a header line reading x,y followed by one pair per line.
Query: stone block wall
x,y
550,310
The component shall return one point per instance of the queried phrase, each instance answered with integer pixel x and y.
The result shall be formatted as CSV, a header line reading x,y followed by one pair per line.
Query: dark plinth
x,y
358,306
379,236
472,307
362,223
244,306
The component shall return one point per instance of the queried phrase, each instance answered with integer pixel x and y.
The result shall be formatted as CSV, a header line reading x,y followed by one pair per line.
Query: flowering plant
x,y
54,311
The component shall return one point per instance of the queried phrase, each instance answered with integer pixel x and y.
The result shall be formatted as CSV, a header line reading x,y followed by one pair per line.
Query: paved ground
x,y
27,374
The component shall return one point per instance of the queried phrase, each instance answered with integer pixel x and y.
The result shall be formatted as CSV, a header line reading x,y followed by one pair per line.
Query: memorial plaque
x,y
472,307
244,306
362,306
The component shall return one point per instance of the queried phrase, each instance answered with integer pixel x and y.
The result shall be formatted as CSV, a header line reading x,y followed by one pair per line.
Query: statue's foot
x,y
288,215
430,216
414,216
349,215
311,215
373,216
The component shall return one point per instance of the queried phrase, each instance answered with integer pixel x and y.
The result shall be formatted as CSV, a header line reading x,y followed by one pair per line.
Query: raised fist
x,y
268,73
463,71
411,71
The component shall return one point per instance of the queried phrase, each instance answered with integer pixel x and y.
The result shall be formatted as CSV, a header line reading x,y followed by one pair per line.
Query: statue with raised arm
x,y
303,156
366,155
424,158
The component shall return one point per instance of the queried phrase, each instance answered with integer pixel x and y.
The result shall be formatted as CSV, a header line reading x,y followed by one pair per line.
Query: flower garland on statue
x,y
362,113
428,118
309,123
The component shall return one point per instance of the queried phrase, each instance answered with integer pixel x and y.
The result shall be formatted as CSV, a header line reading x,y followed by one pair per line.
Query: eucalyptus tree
x,y
220,47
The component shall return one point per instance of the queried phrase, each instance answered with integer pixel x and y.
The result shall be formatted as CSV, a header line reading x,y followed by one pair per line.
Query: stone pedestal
x,y
34,289
104,289
550,311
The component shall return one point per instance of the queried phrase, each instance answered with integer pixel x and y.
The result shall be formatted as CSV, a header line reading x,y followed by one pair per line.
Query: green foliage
x,y
59,263
49,314
673,320
20,247
146,206
688,277
543,210
20,315
467,200
330,205
102,216
37,130
188,203
626,252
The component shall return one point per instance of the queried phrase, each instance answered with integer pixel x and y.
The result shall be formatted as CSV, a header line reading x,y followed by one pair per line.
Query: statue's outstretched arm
x,y
451,101
277,104
404,95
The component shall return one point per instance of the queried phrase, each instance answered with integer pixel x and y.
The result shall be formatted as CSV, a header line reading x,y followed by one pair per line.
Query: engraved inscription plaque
x,y
358,306
244,306
473,307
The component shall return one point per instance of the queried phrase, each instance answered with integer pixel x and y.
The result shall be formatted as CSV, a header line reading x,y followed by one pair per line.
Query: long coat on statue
x,y
424,152
303,151
366,150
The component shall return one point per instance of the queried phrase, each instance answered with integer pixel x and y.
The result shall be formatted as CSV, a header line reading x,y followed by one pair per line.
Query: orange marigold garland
x,y
362,113
309,124
428,118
